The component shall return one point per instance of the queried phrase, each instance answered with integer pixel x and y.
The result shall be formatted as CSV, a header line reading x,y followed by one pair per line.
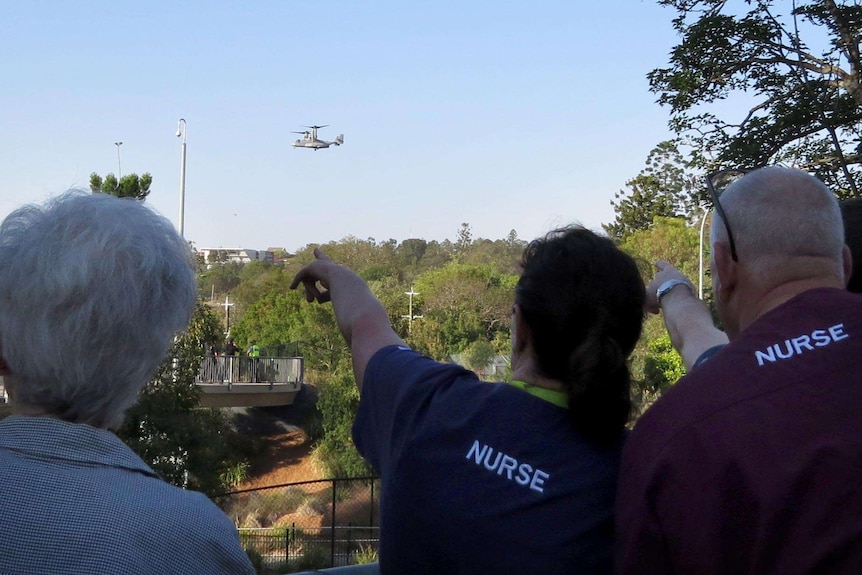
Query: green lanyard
x,y
551,395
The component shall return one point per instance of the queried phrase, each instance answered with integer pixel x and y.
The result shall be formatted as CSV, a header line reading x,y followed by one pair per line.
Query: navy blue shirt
x,y
480,477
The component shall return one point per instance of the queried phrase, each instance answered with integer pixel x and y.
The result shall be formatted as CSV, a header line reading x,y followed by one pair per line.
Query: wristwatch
x,y
664,288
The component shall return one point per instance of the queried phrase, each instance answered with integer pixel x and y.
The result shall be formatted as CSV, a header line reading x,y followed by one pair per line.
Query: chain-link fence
x,y
307,525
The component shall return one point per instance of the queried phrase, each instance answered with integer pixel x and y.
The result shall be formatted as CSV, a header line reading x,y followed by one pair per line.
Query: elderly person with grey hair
x,y
92,291
752,462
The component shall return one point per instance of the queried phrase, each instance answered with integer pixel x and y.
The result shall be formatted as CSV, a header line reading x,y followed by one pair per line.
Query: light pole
x,y
181,131
119,164
700,255
410,317
227,305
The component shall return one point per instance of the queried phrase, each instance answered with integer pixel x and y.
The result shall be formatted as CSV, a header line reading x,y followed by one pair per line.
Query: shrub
x,y
366,554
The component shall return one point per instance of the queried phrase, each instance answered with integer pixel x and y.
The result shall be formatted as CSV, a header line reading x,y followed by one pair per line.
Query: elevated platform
x,y
247,394
240,381
237,381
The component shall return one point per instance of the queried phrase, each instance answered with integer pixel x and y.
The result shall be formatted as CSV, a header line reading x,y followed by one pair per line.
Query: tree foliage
x,y
663,367
187,446
796,67
664,188
462,304
466,293
129,186
338,400
669,239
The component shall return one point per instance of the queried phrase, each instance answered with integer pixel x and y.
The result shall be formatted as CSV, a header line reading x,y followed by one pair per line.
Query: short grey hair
x,y
93,289
778,213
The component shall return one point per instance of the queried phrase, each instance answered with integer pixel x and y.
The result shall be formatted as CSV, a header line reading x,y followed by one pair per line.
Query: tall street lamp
x,y
410,317
119,164
181,131
227,305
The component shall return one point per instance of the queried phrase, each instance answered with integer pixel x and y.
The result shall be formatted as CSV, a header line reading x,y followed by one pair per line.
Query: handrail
x,y
231,369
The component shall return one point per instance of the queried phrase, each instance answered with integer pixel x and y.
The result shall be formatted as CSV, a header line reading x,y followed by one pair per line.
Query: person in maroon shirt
x,y
688,319
752,463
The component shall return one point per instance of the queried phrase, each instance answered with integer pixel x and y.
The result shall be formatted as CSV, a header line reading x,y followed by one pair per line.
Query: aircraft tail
x,y
339,140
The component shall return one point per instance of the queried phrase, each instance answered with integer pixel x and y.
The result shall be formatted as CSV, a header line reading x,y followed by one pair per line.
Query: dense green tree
x,y
664,188
462,304
669,239
479,354
504,254
663,367
220,279
438,254
129,186
186,445
410,252
283,320
368,258
338,400
796,68
465,238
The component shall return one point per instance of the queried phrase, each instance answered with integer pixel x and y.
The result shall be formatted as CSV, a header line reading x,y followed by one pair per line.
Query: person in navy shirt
x,y
493,477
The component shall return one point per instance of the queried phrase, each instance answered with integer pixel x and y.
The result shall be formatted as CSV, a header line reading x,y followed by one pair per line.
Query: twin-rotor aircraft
x,y
309,139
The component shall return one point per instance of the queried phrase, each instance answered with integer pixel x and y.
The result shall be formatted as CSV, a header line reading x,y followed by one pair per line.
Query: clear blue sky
x,y
506,115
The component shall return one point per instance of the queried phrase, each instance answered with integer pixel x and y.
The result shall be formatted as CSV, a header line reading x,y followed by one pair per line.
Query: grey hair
x,y
92,290
777,213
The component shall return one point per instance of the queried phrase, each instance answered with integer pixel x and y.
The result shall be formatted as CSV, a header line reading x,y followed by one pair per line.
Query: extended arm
x,y
687,319
361,318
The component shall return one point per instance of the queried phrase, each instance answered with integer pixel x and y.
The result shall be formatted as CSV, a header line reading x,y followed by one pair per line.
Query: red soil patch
x,y
287,458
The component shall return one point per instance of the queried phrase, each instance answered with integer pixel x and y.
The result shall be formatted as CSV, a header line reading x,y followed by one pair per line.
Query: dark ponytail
x,y
583,300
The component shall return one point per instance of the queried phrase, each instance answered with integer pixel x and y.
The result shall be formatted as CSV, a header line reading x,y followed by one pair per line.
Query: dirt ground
x,y
286,457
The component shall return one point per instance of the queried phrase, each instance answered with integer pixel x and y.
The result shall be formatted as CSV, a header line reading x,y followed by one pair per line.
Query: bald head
x,y
778,213
789,238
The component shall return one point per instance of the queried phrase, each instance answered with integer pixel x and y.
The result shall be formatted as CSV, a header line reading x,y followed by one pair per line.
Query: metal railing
x,y
242,369
307,525
291,548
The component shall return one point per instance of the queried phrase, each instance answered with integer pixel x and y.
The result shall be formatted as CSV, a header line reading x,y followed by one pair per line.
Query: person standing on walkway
x,y
229,353
254,361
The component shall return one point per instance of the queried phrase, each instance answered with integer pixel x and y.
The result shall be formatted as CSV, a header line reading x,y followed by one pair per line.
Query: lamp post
x,y
227,305
700,255
119,164
410,317
181,131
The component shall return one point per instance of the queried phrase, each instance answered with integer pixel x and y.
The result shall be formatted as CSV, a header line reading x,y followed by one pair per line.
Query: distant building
x,y
279,255
235,255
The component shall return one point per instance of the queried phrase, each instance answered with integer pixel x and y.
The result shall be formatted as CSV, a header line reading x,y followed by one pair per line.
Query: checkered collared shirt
x,y
76,500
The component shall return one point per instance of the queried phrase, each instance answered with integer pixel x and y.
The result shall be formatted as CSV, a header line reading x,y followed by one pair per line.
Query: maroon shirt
x,y
752,463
